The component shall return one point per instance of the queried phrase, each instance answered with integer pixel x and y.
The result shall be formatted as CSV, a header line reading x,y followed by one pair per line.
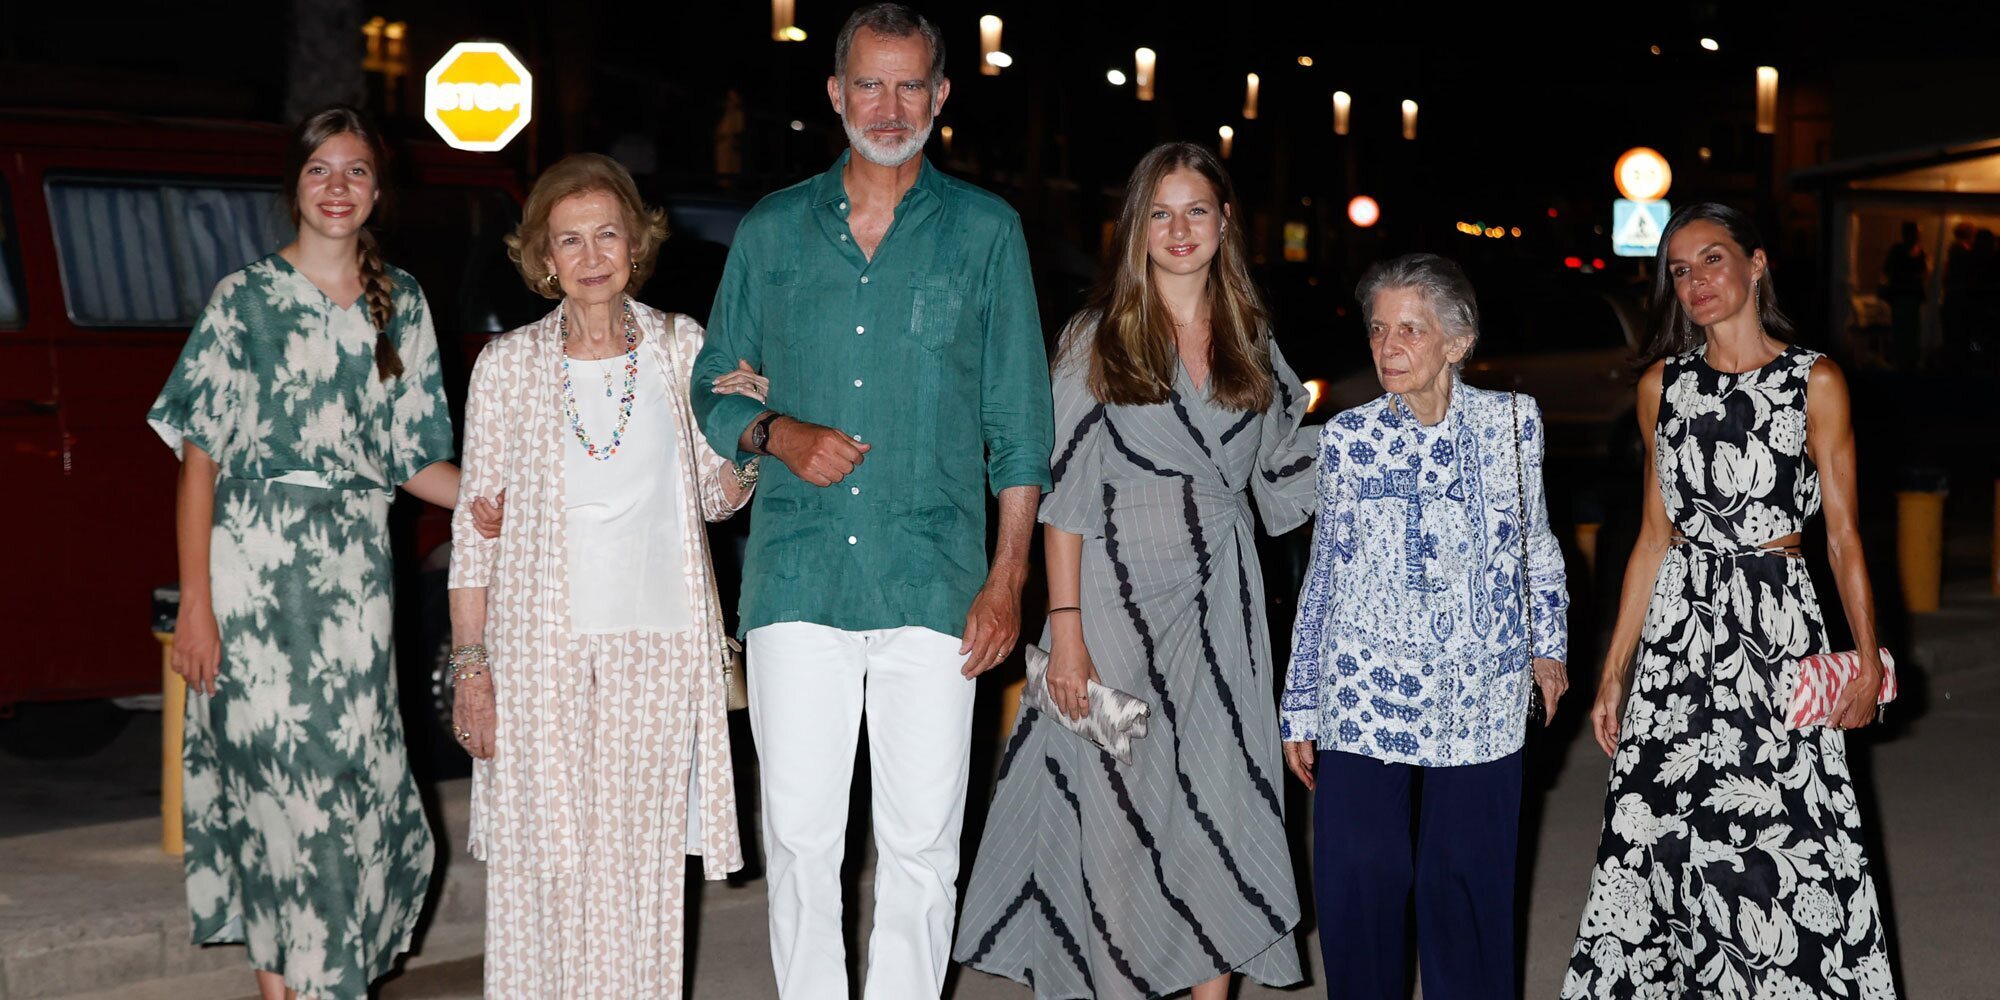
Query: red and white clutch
x,y
1821,678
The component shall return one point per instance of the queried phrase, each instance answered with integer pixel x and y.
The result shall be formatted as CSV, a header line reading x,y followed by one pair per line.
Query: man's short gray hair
x,y
895,21
1440,280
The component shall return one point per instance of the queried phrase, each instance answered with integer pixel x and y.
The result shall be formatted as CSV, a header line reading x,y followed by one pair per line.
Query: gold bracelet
x,y
746,475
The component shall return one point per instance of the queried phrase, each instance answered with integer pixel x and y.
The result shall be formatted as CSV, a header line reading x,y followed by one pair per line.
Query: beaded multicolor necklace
x,y
624,404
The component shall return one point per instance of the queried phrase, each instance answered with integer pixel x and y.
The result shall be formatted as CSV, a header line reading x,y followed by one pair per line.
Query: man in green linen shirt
x,y
892,309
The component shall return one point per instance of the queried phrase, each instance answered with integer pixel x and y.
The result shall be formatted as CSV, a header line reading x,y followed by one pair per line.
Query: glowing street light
x,y
1363,211
1767,100
1250,97
1342,103
1409,119
1228,139
989,46
1711,45
1115,76
1143,62
996,61
782,28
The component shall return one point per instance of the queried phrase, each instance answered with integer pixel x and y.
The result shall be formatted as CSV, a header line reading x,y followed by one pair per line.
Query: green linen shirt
x,y
931,354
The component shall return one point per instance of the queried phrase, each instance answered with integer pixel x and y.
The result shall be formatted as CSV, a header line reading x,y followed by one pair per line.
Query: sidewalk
x,y
96,912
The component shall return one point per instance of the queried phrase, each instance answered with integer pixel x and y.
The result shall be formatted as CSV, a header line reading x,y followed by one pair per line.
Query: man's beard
x,y
888,156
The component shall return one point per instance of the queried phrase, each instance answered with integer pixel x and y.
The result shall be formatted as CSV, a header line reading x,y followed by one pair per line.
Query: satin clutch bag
x,y
1821,678
1115,718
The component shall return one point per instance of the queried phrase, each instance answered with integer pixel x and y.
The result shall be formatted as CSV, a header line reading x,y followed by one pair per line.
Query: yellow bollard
x,y
173,712
1920,547
1010,706
1586,543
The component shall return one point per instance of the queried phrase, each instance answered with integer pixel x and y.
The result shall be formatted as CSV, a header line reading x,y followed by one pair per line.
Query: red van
x,y
113,231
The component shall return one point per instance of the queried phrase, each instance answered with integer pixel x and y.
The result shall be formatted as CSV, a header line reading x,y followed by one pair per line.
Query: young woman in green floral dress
x,y
308,391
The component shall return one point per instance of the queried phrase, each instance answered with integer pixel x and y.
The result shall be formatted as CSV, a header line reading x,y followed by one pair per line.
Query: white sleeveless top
x,y
626,572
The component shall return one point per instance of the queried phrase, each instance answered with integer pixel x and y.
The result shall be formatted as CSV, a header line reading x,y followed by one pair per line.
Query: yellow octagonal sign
x,y
478,96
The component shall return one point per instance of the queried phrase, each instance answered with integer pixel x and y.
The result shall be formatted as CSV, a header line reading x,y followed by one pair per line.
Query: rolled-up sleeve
x,y
1015,408
1548,578
710,466
473,554
734,333
1299,707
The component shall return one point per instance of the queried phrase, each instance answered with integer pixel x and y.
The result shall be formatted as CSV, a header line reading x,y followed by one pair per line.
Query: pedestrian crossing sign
x,y
1636,226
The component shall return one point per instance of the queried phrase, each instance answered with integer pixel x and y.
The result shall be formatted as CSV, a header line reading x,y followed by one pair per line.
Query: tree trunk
x,y
324,55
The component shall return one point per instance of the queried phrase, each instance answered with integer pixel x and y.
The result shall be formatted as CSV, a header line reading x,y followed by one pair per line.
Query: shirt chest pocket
x,y
780,287
937,303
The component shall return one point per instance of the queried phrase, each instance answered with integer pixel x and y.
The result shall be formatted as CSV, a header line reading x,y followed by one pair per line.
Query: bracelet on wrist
x,y
1060,610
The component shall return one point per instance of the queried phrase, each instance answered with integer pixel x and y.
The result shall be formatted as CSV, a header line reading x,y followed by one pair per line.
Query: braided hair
x,y
377,288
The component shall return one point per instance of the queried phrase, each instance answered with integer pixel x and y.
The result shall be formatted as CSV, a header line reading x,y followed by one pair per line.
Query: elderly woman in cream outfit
x,y
588,649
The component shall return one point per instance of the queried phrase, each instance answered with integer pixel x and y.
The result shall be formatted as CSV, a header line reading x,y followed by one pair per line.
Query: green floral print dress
x,y
305,836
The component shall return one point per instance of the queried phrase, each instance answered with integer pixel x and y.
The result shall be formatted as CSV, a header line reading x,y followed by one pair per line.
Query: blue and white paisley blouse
x,y
1411,645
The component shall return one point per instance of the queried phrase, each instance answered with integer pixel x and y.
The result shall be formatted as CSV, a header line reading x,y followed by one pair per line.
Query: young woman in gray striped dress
x,y
1173,409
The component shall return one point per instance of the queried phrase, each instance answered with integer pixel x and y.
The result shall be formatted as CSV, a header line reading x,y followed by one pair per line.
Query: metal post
x,y
173,711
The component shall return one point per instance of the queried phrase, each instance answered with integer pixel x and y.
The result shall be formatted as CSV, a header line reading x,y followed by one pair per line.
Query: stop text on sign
x,y
479,96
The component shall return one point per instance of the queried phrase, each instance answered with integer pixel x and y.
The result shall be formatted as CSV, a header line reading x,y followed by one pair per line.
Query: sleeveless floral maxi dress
x,y
1731,863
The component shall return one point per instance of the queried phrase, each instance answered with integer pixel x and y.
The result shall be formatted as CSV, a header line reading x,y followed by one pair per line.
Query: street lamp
x,y
1409,119
1115,76
782,28
1767,100
1228,139
945,134
1711,45
1363,211
1250,97
1341,105
1143,62
989,44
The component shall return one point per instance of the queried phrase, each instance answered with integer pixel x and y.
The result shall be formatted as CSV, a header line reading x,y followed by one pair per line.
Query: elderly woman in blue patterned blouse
x,y
1435,592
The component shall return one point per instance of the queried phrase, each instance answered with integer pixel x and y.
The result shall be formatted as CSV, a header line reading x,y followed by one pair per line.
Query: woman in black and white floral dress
x,y
1731,863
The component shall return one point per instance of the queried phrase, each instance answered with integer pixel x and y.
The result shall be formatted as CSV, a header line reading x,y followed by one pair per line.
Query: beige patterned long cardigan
x,y
582,814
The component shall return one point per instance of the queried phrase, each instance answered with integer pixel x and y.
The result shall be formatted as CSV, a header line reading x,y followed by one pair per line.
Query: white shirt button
x,y
851,540
857,383
843,237
864,279
856,490
860,330
843,206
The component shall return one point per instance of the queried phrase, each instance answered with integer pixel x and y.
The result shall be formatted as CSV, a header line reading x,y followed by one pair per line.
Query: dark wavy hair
x,y
311,133
1674,333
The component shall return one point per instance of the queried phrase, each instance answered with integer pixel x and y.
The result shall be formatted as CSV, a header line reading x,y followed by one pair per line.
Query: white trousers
x,y
809,685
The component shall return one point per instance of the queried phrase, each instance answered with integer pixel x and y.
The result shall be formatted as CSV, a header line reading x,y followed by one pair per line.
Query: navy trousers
x,y
1460,864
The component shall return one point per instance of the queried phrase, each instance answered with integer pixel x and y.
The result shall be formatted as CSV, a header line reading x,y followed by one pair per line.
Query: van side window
x,y
145,252
10,263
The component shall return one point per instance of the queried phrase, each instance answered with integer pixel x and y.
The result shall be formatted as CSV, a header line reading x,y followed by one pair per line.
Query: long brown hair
x,y
1132,350
376,285
1674,333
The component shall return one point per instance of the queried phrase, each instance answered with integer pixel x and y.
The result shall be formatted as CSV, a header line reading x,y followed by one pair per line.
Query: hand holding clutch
x,y
1821,678
1115,718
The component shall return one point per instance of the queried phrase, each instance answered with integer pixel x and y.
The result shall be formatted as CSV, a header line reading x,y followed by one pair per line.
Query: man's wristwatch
x,y
760,433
